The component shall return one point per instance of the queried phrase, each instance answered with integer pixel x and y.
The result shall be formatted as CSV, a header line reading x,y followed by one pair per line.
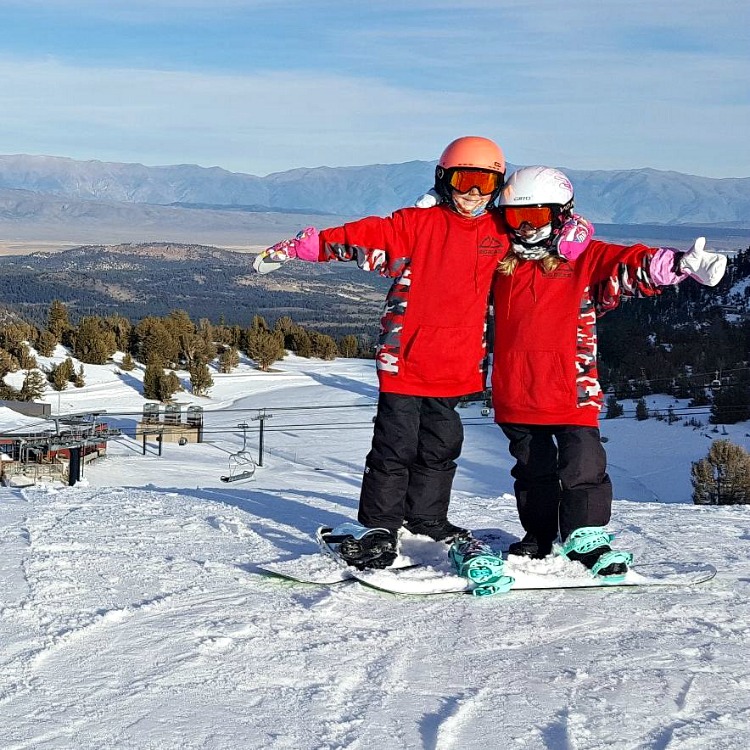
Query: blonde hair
x,y
507,266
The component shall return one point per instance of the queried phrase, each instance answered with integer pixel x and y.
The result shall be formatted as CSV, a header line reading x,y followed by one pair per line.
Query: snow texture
x,y
134,614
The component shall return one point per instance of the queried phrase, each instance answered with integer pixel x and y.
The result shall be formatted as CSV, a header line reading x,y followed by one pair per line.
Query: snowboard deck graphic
x,y
423,568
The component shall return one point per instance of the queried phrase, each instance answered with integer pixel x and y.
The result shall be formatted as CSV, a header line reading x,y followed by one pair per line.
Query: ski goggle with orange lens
x,y
463,180
535,216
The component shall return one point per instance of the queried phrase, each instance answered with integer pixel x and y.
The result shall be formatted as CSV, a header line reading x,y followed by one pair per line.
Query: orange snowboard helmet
x,y
471,152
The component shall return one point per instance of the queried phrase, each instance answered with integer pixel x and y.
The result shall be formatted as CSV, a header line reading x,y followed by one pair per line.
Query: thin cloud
x,y
249,123
259,86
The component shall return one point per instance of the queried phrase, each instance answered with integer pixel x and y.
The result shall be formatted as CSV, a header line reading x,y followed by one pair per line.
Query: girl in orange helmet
x,y
432,346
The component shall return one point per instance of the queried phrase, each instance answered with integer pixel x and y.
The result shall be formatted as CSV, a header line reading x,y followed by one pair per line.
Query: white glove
x,y
304,246
428,200
705,267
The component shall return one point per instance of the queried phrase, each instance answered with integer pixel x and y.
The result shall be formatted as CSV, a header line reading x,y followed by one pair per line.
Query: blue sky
x,y
263,86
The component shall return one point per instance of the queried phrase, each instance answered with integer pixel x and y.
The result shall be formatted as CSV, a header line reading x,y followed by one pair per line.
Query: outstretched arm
x,y
374,243
643,272
625,281
671,266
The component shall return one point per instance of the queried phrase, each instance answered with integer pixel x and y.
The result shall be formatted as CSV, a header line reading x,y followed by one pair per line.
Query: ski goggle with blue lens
x,y
463,180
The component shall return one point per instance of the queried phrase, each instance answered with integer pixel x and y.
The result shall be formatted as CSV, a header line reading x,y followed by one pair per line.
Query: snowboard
x,y
423,568
328,569
427,580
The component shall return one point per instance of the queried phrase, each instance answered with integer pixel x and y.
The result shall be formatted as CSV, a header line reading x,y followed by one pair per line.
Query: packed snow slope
x,y
133,613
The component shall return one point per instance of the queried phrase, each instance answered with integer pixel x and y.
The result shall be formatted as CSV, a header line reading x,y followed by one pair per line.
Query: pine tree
x,y
14,337
704,482
170,384
614,407
196,348
68,368
8,363
264,346
641,410
153,339
348,346
46,343
723,477
323,346
179,323
298,341
200,379
259,323
152,378
8,392
79,379
228,360
34,385
122,329
158,386
58,377
94,343
127,363
26,359
58,322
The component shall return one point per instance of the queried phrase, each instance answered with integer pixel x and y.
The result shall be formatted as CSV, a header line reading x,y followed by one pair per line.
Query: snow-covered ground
x,y
133,614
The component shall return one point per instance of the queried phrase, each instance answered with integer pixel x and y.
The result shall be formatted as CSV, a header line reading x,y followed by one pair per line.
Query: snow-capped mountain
x,y
638,196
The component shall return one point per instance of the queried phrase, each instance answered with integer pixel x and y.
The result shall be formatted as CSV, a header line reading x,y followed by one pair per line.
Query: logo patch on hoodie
x,y
490,246
563,271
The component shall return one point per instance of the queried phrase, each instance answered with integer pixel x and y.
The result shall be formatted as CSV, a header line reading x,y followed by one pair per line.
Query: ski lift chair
x,y
241,464
241,467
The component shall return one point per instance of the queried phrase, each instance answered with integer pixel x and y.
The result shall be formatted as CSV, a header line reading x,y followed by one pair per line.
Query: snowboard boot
x,y
439,529
589,545
362,547
478,562
531,546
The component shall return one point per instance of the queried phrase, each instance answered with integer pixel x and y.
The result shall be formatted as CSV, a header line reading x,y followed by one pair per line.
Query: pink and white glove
x,y
574,237
305,246
670,266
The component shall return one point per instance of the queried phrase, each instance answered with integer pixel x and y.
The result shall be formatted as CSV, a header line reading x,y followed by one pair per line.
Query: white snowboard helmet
x,y
537,201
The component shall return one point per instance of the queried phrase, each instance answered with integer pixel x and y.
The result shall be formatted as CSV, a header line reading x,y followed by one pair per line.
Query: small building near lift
x,y
56,450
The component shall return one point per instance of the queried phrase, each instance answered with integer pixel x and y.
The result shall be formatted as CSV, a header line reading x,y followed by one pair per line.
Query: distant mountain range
x,y
53,198
30,217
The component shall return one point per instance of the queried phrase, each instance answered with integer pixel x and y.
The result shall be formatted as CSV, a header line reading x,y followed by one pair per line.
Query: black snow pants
x,y
410,468
561,480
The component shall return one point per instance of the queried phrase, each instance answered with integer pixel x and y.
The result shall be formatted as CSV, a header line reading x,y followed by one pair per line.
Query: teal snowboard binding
x,y
589,545
478,562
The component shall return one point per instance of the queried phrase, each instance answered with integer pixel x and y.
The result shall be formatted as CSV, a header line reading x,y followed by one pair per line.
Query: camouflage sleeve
x,y
625,281
374,244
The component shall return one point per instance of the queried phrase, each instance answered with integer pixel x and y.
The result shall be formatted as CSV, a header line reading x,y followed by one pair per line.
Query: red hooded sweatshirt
x,y
433,329
544,368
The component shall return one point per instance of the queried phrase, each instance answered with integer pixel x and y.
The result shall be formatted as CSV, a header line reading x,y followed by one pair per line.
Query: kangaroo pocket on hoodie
x,y
435,354
536,380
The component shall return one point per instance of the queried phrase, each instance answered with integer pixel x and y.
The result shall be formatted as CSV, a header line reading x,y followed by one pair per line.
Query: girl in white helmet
x,y
546,395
